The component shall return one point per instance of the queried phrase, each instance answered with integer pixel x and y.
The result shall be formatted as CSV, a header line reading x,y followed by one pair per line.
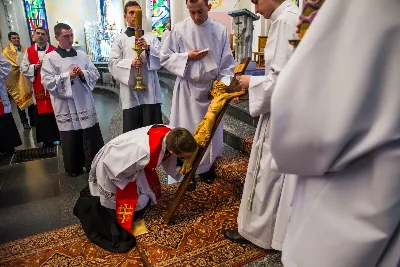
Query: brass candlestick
x,y
139,50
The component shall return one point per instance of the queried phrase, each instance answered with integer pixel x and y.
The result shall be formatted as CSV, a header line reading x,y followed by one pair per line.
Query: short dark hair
x,y
195,1
12,33
129,4
59,27
43,29
180,140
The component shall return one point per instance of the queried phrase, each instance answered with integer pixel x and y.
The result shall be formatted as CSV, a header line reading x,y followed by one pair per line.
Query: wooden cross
x,y
233,87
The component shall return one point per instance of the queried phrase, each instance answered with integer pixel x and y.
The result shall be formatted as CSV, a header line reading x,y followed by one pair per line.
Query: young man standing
x,y
17,85
263,186
197,51
46,126
140,107
70,76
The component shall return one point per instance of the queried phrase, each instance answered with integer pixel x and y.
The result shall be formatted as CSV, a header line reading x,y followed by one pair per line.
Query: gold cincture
x,y
139,50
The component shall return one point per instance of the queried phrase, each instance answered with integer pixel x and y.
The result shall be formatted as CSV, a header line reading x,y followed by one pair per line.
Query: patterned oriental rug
x,y
195,238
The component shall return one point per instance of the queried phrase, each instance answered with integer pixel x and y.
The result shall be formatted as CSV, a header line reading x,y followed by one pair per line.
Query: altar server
x,y
140,107
46,126
70,76
335,124
123,181
196,70
9,136
263,186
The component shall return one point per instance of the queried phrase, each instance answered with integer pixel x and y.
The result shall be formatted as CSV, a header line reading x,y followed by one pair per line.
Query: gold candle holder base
x,y
139,85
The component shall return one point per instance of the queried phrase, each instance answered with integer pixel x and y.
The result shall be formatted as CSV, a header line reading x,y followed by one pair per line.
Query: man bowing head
x,y
197,51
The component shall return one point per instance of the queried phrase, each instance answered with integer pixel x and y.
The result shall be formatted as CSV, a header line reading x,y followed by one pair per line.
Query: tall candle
x,y
138,23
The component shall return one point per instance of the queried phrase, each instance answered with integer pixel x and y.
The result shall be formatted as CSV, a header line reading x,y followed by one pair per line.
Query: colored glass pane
x,y
35,15
160,16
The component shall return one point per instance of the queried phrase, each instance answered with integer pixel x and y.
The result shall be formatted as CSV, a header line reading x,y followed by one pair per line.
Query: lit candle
x,y
138,23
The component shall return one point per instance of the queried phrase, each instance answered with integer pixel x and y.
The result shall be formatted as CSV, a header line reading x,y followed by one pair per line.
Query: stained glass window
x,y
35,15
160,16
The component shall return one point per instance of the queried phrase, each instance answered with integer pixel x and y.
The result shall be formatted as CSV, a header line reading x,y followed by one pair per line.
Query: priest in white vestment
x,y
183,54
263,186
70,76
140,107
335,125
123,177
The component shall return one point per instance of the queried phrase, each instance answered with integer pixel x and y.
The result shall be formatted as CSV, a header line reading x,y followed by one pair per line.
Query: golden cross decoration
x,y
125,212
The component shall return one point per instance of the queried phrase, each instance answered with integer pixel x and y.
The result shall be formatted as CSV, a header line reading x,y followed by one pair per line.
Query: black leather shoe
x,y
192,186
26,126
207,177
234,236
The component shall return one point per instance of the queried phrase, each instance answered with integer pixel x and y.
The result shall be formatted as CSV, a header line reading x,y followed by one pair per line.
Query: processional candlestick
x,y
138,49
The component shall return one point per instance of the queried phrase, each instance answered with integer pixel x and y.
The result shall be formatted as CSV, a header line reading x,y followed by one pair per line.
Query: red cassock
x,y
42,97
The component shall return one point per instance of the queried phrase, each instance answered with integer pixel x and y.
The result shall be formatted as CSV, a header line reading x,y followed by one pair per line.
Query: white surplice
x,y
257,223
194,78
165,35
336,125
120,67
5,68
122,161
72,98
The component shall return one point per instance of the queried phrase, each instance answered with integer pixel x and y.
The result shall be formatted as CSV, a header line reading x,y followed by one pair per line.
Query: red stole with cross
x,y
126,199
42,97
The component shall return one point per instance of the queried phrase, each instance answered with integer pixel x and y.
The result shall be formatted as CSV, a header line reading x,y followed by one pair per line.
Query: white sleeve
x,y
123,160
120,68
261,88
154,55
59,85
91,74
27,68
171,57
227,64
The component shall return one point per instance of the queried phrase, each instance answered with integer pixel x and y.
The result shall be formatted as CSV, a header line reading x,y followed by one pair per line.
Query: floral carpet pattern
x,y
231,171
67,246
195,238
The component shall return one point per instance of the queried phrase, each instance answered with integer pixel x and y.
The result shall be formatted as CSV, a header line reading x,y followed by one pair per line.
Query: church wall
x,y
73,12
19,24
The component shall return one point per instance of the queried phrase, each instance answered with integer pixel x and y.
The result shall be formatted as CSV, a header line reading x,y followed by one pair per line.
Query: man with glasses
x,y
70,76
18,86
46,126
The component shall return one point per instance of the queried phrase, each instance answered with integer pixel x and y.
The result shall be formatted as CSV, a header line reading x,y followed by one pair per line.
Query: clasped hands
x,y
136,63
38,65
75,71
